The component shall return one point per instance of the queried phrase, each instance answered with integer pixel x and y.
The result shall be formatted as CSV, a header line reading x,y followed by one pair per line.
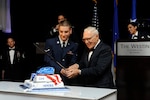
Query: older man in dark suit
x,y
62,49
94,68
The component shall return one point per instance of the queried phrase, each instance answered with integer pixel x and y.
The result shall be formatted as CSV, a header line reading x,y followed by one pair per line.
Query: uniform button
x,y
63,59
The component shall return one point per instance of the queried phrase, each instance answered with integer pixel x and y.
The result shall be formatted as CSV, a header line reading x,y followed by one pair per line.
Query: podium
x,y
133,69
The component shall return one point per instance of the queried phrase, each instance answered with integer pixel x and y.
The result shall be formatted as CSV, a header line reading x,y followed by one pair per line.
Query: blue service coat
x,y
65,56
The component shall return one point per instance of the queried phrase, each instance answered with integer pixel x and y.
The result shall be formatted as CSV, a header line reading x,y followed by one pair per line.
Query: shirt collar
x,y
97,43
12,48
136,34
61,42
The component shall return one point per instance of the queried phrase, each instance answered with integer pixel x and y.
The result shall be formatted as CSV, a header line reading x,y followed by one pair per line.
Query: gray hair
x,y
91,29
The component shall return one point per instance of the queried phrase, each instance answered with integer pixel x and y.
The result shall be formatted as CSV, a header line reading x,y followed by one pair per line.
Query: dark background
x,y
32,19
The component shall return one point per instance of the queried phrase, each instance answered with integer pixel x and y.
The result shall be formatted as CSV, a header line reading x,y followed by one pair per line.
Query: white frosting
x,y
44,81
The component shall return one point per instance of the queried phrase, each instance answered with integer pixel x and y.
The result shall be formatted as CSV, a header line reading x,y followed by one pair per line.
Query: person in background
x,y
13,61
62,49
94,68
54,30
135,33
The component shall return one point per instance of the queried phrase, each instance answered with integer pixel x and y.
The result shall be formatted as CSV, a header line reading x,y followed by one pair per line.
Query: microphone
x,y
45,52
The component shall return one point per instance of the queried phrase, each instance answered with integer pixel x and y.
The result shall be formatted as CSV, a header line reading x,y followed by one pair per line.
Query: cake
x,y
44,80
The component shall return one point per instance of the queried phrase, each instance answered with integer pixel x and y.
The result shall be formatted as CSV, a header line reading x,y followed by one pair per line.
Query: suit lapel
x,y
95,51
86,59
8,56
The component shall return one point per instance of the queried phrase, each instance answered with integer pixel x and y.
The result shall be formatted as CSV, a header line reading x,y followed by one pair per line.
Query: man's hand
x,y
74,66
63,72
72,72
57,26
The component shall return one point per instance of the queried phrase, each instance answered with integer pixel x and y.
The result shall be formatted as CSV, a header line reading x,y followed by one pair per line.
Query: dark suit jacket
x,y
15,71
97,72
66,56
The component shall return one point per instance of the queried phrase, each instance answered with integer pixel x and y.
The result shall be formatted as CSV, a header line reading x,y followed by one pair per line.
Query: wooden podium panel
x,y
133,70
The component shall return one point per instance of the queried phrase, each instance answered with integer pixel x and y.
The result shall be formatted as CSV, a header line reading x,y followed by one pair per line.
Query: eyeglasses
x,y
88,39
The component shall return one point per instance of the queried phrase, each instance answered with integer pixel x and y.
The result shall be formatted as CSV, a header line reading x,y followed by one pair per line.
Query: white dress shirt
x,y
91,52
135,36
11,54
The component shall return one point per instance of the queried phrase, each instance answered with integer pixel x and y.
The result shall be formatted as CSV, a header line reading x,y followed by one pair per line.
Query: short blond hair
x,y
65,23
